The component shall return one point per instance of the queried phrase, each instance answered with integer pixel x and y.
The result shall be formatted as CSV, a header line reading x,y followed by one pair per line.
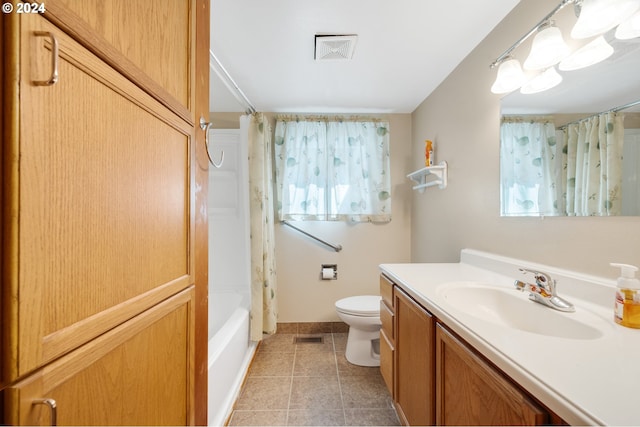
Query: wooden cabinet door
x,y
150,42
98,200
470,391
135,374
414,367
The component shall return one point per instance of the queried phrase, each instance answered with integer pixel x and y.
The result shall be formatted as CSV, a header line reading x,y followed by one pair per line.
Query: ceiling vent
x,y
335,47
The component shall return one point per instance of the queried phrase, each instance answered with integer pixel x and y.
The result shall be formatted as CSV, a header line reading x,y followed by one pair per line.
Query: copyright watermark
x,y
23,7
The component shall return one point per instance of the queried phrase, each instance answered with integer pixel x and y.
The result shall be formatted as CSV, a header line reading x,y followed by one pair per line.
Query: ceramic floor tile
x,y
315,393
315,364
346,368
364,391
340,342
311,384
316,417
272,364
258,418
265,393
278,343
371,417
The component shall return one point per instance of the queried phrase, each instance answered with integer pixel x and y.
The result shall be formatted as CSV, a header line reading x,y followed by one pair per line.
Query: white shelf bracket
x,y
420,177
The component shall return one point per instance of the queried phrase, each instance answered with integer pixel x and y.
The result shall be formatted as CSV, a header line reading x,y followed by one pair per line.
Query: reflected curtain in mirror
x,y
528,163
593,164
575,171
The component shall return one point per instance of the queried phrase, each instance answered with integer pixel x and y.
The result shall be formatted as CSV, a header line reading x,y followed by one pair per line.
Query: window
x,y
332,170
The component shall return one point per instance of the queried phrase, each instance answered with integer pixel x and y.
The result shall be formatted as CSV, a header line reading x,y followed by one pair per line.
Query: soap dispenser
x,y
627,305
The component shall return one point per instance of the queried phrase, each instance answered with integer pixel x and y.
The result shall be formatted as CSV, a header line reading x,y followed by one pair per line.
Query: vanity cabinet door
x,y
414,367
387,342
470,391
135,374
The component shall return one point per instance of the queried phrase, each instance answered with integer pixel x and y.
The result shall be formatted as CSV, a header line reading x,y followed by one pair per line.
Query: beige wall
x,y
462,117
302,296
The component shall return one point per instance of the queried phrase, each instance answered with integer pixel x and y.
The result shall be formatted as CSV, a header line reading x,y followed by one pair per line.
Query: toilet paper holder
x,y
329,272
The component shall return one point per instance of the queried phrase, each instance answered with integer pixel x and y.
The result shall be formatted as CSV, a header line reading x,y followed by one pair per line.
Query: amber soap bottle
x,y
627,303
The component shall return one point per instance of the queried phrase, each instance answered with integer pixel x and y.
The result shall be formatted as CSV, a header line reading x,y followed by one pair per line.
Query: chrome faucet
x,y
543,291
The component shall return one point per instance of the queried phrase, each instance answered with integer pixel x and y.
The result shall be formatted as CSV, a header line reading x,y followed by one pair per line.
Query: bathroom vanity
x,y
460,345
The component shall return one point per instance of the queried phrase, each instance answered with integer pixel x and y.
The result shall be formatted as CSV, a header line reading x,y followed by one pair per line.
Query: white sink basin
x,y
513,309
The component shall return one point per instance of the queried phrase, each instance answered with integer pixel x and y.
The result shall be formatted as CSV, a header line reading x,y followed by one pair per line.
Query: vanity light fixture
x,y
589,54
544,81
599,16
630,28
548,48
510,76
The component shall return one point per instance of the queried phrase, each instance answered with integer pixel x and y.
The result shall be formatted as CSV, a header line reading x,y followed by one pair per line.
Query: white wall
x,y
462,117
302,296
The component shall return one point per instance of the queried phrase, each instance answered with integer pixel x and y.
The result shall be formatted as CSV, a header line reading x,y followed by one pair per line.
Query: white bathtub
x,y
230,352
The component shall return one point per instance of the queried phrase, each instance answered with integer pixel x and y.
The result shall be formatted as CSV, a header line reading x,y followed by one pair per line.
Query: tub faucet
x,y
543,291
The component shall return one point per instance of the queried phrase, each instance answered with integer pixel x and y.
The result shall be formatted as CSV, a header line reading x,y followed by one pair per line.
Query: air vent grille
x,y
308,340
335,47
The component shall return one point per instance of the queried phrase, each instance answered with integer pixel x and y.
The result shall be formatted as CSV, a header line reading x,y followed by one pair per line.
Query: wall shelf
x,y
420,177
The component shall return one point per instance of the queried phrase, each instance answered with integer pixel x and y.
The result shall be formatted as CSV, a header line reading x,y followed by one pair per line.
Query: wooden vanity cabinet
x,y
414,361
439,379
387,341
470,391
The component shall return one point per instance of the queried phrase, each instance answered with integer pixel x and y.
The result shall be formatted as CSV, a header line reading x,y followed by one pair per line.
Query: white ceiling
x,y
405,49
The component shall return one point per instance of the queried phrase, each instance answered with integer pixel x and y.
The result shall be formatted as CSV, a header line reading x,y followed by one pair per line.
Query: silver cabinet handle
x,y
54,59
205,126
51,403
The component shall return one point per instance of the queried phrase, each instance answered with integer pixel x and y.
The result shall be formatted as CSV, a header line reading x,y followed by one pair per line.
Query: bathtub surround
x,y
230,350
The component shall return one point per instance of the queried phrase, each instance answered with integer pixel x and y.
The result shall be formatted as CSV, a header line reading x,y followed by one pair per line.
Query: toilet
x,y
362,314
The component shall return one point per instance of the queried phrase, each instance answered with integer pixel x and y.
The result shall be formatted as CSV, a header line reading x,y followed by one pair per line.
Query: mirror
x,y
584,93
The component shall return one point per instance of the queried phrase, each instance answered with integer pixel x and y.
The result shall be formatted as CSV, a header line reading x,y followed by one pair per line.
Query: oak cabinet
x,y
103,210
470,391
387,341
414,368
439,379
135,374
98,214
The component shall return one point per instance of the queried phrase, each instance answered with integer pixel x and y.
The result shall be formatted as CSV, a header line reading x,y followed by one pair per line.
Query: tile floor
x,y
311,384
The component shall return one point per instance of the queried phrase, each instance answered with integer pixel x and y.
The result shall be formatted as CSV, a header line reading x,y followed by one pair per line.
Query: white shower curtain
x,y
264,307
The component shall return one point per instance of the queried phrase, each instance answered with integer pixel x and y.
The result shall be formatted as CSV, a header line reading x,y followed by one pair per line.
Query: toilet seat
x,y
361,305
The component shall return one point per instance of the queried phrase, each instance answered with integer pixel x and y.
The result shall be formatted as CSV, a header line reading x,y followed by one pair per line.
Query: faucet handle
x,y
542,279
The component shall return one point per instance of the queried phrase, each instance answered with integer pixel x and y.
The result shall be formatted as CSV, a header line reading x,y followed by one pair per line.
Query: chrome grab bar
x,y
336,248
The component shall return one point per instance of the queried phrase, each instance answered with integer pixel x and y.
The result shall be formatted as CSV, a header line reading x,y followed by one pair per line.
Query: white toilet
x,y
362,314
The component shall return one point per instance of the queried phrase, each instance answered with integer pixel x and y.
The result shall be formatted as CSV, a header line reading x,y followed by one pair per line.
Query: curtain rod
x,y
611,110
533,30
328,117
224,75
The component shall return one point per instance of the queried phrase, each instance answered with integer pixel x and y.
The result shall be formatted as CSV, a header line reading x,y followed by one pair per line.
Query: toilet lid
x,y
362,305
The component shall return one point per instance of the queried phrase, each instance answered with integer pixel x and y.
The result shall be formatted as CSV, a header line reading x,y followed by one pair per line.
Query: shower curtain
x,y
264,307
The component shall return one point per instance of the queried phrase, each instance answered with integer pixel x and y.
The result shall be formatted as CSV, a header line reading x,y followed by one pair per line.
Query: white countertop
x,y
587,381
